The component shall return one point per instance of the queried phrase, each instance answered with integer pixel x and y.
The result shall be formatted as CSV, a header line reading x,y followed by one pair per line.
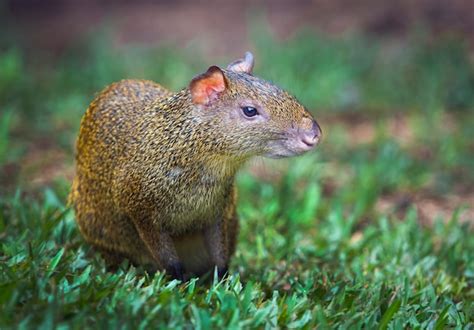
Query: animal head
x,y
250,115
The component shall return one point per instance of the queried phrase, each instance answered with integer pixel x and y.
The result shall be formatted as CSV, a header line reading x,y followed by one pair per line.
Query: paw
x,y
222,271
176,271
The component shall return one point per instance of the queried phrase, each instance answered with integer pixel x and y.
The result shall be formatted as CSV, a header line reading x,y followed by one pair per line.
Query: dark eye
x,y
249,111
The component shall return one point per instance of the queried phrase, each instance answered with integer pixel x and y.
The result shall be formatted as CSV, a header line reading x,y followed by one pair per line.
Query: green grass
x,y
290,271
315,249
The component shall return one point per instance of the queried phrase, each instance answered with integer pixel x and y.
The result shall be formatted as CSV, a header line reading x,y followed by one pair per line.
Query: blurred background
x,y
391,83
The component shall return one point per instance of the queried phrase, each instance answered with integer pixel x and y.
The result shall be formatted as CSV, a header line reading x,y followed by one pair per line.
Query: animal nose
x,y
311,137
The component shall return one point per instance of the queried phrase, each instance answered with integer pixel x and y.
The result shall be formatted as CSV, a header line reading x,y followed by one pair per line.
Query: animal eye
x,y
249,111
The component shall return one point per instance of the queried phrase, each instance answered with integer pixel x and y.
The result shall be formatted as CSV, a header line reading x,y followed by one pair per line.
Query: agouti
x,y
155,169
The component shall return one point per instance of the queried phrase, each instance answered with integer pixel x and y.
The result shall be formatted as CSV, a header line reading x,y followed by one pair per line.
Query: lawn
x,y
372,230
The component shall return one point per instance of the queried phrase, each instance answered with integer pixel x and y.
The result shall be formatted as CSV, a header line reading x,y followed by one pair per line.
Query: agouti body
x,y
155,170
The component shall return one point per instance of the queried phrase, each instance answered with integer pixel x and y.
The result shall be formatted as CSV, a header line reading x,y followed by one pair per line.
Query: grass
x,y
315,249
286,273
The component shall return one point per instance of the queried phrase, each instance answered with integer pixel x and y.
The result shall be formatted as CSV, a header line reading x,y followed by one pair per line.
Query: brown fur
x,y
155,172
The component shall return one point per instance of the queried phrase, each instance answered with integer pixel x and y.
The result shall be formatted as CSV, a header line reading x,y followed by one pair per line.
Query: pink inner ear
x,y
206,88
213,86
211,90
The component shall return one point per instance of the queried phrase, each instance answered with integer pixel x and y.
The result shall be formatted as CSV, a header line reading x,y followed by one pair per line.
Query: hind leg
x,y
112,234
112,259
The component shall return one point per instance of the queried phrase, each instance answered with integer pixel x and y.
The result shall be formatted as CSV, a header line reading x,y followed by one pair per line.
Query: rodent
x,y
155,170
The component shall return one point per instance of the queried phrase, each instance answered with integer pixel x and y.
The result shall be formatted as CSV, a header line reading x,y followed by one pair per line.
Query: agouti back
x,y
155,169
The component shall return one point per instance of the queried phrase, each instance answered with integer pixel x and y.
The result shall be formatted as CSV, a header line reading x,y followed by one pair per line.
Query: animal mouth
x,y
309,143
289,148
295,143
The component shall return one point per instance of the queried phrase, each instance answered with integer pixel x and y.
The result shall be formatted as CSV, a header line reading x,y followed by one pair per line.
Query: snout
x,y
300,138
309,138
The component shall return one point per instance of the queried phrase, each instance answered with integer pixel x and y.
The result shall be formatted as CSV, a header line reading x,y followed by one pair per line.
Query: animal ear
x,y
207,86
243,65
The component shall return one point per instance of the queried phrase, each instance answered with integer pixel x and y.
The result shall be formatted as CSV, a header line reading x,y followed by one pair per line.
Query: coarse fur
x,y
155,170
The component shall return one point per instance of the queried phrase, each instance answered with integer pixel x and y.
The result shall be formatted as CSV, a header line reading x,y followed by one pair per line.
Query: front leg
x,y
162,249
215,239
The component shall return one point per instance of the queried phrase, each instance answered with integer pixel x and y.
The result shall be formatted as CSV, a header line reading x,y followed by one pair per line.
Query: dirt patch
x,y
40,166
429,208
361,129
